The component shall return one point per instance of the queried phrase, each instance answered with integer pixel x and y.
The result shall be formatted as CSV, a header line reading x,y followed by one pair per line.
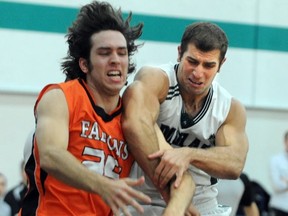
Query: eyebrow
x,y
109,48
206,62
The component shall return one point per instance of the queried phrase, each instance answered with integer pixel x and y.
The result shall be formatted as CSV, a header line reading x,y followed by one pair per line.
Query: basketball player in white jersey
x,y
203,123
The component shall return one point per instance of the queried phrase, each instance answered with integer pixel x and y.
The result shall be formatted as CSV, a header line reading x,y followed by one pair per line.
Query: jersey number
x,y
103,165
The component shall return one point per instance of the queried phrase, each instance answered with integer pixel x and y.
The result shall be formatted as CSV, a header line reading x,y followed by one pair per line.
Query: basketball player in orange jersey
x,y
79,159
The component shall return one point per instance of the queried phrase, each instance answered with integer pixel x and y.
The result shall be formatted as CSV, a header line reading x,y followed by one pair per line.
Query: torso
x,y
180,129
96,140
197,131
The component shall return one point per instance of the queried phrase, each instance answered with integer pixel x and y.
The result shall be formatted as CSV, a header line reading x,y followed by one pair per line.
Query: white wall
x,y
16,122
258,78
265,129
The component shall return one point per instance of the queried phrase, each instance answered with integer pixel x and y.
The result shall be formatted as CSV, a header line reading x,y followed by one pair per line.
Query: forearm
x,y
251,210
227,158
181,197
142,141
210,160
63,166
138,120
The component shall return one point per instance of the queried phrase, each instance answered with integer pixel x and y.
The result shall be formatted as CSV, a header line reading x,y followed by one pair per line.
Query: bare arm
x,y
180,196
141,107
251,210
225,160
52,134
141,102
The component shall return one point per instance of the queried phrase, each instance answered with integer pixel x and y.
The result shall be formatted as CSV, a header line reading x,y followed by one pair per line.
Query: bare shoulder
x,y
149,73
237,106
52,120
52,102
237,113
153,80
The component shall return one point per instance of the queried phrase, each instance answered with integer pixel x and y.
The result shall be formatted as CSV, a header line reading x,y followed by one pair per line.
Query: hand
x,y
173,162
119,193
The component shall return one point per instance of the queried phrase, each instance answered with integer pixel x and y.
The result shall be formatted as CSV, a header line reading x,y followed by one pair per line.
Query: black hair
x,y
206,37
93,18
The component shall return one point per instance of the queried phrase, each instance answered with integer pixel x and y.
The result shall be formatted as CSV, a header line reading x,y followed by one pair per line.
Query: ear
x,y
83,65
179,53
222,62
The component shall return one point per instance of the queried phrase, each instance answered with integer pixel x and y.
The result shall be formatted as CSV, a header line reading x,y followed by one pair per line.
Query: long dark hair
x,y
93,18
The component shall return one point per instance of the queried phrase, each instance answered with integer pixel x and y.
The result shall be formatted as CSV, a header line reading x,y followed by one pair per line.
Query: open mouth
x,y
195,83
114,74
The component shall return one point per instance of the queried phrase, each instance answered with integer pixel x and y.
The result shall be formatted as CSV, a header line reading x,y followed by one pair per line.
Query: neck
x,y
106,100
193,104
192,107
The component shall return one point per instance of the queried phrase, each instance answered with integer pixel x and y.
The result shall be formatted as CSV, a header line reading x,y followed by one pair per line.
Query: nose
x,y
197,73
114,58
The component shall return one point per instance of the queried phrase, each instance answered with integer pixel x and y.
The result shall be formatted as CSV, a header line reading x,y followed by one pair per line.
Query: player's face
x,y
198,69
108,62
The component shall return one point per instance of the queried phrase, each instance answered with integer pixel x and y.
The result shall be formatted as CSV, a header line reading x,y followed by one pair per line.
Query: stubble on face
x,y
108,61
197,70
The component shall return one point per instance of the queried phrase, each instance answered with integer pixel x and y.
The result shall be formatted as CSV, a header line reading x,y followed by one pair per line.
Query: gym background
x,y
32,46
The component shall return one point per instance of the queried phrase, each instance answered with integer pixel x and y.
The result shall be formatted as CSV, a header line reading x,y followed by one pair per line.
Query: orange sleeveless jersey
x,y
96,140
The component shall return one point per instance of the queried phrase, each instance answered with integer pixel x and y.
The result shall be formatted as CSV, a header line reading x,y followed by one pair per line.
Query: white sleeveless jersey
x,y
180,130
198,132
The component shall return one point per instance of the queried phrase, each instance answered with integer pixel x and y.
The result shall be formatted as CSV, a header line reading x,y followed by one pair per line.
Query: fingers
x,y
120,207
157,154
138,195
127,198
115,208
122,194
134,182
166,175
178,180
163,174
137,206
157,173
134,193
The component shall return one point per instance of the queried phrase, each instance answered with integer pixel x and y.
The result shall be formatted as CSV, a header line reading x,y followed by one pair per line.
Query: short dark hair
x,y
93,18
206,37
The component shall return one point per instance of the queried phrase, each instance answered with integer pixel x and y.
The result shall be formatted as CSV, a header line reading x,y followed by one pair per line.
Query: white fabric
x,y
5,209
230,193
201,135
28,146
278,172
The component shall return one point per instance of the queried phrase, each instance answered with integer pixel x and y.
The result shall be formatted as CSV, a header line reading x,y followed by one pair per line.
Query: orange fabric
x,y
97,144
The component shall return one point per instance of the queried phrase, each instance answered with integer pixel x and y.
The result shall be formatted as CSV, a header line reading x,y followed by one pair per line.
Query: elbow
x,y
237,168
231,175
234,172
46,161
